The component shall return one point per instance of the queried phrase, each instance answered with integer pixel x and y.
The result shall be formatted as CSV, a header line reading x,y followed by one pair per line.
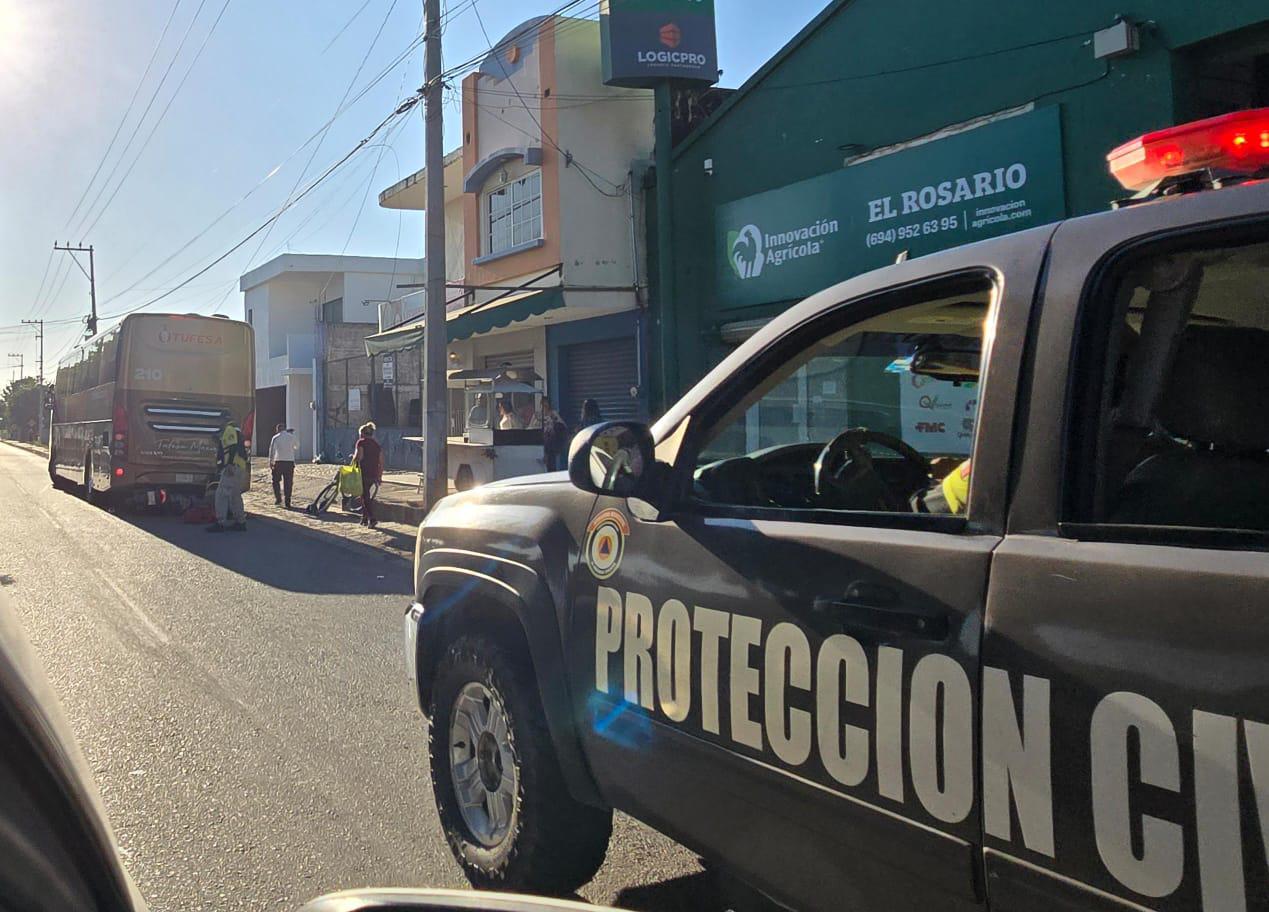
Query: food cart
x,y
503,436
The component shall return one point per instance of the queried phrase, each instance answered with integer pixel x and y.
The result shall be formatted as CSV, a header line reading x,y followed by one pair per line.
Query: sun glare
x,y
10,24
15,38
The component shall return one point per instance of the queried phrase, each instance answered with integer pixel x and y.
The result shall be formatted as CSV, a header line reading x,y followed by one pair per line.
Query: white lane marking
x,y
158,632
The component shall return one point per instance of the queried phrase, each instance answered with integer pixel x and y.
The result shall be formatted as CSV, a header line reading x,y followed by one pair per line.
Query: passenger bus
x,y
137,408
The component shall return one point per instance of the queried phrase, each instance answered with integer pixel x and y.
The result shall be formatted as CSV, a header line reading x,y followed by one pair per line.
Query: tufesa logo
x,y
749,250
167,336
671,35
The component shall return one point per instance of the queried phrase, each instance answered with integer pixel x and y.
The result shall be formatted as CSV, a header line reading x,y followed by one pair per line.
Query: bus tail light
x,y
1237,142
248,429
119,472
119,434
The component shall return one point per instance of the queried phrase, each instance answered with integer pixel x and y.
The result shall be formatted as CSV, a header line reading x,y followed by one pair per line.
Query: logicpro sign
x,y
648,41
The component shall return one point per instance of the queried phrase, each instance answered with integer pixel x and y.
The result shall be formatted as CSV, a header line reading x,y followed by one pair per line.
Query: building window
x,y
249,317
514,213
333,311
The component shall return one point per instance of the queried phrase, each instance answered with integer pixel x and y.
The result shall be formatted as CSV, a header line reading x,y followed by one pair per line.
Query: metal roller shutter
x,y
603,371
510,359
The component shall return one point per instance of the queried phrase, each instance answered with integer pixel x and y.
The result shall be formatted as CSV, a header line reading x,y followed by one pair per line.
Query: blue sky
x,y
269,76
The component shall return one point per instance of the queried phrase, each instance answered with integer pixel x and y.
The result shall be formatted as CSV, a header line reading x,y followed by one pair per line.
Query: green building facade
x,y
889,127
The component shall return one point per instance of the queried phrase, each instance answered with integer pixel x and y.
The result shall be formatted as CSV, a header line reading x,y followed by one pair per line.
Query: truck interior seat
x,y
1216,405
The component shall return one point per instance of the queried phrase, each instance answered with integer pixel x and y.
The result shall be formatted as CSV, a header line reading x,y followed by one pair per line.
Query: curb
x,y
333,539
403,513
28,447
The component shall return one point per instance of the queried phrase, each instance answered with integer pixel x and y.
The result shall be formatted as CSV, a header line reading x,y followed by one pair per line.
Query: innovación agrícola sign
x,y
790,242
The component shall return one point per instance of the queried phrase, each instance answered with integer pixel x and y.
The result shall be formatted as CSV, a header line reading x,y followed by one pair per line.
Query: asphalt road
x,y
242,702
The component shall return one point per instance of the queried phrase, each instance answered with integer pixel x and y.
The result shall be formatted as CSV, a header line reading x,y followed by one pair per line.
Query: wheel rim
x,y
482,765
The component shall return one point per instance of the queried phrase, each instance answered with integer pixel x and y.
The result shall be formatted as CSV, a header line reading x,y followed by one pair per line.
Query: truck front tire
x,y
502,799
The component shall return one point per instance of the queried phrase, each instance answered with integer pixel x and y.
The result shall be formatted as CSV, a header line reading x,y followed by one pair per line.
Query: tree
x,y
20,407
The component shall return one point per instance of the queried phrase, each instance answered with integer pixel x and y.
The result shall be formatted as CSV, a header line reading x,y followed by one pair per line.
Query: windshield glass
x,y
188,356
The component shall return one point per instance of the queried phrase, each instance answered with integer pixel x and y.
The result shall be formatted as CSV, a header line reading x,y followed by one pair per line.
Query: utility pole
x,y
435,391
91,273
39,337
21,363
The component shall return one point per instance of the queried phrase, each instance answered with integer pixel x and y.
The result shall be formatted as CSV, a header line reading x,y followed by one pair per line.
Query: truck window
x,y
870,415
1171,428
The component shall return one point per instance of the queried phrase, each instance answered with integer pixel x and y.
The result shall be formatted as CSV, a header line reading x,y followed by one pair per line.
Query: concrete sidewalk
x,y
38,449
398,520
399,499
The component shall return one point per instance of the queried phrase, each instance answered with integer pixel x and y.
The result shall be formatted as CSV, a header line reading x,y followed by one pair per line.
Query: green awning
x,y
473,320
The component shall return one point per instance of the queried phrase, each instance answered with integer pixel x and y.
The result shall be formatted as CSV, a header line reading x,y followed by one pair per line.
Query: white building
x,y
285,300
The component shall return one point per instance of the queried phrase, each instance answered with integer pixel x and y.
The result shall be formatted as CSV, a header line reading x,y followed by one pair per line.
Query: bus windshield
x,y
187,356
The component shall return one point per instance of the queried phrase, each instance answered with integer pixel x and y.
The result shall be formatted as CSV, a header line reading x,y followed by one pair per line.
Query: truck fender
x,y
457,581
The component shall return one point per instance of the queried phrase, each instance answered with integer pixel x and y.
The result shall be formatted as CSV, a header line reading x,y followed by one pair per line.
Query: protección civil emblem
x,y
606,542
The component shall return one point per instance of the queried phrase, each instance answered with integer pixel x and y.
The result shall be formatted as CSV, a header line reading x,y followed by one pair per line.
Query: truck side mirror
x,y
611,458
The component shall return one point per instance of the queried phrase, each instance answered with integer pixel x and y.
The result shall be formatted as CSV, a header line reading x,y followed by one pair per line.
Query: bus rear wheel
x,y
91,495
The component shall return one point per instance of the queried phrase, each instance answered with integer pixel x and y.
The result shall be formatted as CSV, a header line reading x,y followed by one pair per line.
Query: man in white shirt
x,y
282,450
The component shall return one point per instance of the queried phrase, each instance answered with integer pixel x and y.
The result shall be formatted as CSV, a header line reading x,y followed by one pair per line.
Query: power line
x,y
925,66
568,157
401,57
154,128
35,301
400,111
472,62
136,128
303,173
126,111
54,294
351,19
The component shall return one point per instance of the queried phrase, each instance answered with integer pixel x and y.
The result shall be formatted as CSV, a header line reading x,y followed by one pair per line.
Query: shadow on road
x,y
697,892
703,891
273,553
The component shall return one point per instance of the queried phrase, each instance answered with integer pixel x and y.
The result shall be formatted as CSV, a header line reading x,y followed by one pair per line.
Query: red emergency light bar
x,y
1237,142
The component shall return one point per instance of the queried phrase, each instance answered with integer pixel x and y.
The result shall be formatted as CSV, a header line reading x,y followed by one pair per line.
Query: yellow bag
x,y
350,481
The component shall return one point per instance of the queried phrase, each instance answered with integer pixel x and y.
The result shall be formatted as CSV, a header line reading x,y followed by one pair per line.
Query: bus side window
x,y
109,354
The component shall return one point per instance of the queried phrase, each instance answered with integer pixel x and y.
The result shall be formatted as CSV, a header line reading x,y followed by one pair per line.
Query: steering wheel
x,y
845,468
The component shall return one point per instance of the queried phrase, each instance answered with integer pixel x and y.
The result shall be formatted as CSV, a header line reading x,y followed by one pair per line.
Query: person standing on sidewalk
x,y
282,450
369,458
231,459
554,437
590,413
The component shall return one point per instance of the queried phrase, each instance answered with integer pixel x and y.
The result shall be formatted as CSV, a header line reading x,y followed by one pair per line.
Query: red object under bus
x,y
1237,142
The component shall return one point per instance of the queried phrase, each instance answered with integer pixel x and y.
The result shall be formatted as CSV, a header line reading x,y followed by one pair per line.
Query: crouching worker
x,y
231,460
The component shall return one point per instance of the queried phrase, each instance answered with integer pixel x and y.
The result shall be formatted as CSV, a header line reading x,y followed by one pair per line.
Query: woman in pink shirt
x,y
369,458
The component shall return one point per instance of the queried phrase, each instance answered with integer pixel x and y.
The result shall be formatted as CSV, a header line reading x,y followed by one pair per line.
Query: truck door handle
x,y
875,608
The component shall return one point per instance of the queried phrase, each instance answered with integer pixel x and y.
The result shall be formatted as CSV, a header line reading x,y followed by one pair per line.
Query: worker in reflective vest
x,y
951,495
231,460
